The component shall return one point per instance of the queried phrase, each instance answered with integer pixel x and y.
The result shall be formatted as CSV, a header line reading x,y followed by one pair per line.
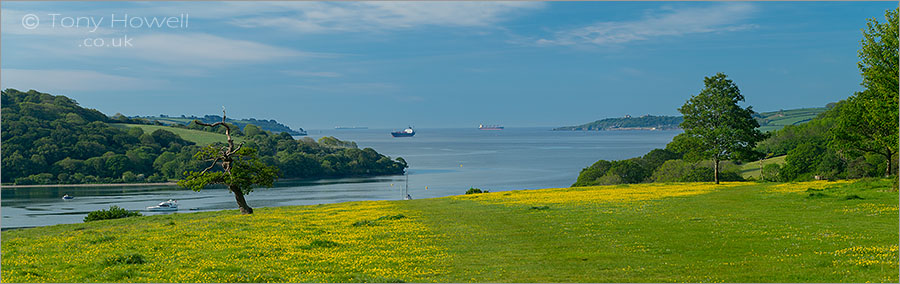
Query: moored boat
x,y
490,127
171,205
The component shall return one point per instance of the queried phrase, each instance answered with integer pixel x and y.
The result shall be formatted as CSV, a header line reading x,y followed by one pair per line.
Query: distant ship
x,y
408,132
490,127
351,127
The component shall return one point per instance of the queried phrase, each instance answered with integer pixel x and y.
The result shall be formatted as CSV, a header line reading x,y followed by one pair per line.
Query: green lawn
x,y
775,120
696,232
751,169
196,136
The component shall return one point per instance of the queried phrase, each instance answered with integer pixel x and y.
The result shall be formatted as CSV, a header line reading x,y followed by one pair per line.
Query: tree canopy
x,y
868,119
716,127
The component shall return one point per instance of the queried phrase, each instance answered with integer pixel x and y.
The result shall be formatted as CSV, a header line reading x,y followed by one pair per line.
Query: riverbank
x,y
690,232
92,185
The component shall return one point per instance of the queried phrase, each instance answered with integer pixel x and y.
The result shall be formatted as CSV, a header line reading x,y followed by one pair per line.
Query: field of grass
x,y
844,231
196,136
775,120
751,169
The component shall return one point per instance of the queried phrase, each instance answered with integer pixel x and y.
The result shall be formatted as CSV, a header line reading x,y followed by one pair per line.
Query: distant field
x,y
768,121
196,136
775,120
823,231
751,169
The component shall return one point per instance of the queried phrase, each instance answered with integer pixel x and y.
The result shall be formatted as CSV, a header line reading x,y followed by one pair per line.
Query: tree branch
x,y
210,166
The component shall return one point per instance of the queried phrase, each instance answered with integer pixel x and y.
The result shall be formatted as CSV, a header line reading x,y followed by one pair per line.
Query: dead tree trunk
x,y
241,202
226,156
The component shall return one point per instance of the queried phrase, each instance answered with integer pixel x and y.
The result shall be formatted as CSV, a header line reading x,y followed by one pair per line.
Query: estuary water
x,y
442,162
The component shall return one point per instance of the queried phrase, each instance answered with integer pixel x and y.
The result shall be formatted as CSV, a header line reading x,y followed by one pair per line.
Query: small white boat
x,y
67,197
170,205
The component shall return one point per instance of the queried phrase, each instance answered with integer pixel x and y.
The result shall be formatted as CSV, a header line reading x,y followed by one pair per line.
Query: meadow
x,y
823,231
774,120
201,138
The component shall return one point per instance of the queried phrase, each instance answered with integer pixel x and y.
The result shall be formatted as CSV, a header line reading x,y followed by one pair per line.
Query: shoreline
x,y
91,185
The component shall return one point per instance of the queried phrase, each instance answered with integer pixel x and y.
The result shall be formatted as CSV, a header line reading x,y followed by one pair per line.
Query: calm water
x,y
446,161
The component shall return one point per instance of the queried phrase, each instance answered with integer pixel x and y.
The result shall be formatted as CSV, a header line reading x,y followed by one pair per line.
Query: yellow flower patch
x,y
804,186
598,194
290,244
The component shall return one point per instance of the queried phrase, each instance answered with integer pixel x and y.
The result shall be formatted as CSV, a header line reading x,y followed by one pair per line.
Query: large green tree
x,y
240,167
868,119
715,127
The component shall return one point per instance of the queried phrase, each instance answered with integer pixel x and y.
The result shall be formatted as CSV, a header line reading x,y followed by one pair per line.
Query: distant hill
x,y
768,121
269,125
774,120
647,122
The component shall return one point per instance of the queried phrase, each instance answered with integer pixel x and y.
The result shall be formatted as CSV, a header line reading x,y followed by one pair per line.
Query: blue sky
x,y
449,64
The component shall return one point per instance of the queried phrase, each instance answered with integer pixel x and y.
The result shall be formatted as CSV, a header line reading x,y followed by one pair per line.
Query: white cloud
x,y
188,51
67,80
205,49
317,17
300,73
674,22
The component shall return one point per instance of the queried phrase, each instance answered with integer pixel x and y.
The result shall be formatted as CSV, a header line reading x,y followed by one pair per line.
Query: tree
x,y
715,127
801,160
868,119
241,169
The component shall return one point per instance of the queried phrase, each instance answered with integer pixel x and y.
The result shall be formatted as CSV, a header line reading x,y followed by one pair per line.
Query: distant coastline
x,y
91,185
646,122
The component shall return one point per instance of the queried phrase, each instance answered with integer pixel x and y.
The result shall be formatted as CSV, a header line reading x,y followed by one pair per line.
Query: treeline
x,y
50,139
659,165
264,124
647,121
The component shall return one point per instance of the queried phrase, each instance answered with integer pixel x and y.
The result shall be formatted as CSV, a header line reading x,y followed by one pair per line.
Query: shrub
x,y
364,223
683,171
114,212
770,172
852,196
801,161
389,217
125,259
475,190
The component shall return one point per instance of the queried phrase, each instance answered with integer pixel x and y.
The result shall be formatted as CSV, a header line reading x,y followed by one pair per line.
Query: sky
x,y
317,65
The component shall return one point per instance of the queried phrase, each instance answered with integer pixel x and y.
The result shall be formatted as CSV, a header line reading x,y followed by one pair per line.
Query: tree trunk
x,y
716,171
239,197
890,163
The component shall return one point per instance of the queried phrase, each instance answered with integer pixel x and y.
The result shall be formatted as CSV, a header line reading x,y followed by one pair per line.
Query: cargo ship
x,y
490,127
408,132
350,127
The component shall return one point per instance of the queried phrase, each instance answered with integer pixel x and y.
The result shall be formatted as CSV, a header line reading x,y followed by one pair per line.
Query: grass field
x,y
751,169
775,120
196,136
844,231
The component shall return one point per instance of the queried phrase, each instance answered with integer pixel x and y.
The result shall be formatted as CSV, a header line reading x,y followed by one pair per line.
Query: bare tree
x,y
240,167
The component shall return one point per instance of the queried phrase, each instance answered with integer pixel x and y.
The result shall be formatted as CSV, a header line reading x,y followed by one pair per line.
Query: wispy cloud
x,y
206,49
671,22
67,80
323,74
319,17
185,50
